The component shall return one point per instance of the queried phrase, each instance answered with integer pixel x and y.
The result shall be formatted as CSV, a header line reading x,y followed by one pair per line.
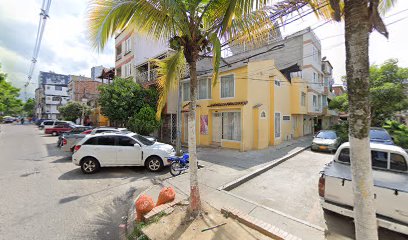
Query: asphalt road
x,y
44,196
291,188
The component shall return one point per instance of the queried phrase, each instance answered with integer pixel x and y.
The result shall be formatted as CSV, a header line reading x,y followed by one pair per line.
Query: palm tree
x,y
191,27
360,17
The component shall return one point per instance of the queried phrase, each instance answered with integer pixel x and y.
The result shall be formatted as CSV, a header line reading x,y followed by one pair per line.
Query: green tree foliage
x,y
399,132
29,107
73,110
122,99
144,121
386,92
9,102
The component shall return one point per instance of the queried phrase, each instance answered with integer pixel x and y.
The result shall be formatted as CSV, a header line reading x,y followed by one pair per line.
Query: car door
x,y
105,150
128,151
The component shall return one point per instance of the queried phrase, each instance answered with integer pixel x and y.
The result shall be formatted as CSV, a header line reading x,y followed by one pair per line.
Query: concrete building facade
x,y
52,93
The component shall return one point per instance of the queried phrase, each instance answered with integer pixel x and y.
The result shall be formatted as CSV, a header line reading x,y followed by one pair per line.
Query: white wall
x,y
50,90
146,48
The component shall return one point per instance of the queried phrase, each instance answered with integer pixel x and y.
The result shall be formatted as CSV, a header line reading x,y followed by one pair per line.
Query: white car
x,y
51,123
118,149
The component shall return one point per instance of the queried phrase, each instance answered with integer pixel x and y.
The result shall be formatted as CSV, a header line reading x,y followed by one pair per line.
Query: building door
x,y
216,127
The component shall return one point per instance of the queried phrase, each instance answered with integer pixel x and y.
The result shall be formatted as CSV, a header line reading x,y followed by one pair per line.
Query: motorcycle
x,y
178,164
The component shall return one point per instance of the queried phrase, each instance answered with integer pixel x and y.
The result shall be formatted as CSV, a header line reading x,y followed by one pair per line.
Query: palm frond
x,y
386,5
161,19
170,71
216,49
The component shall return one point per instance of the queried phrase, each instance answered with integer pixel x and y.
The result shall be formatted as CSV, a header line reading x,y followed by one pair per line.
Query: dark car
x,y
380,135
76,130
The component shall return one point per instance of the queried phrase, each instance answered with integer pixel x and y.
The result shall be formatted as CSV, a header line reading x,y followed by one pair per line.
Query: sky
x,y
66,49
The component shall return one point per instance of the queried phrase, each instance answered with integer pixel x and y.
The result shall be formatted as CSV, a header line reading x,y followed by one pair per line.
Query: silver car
x,y
326,140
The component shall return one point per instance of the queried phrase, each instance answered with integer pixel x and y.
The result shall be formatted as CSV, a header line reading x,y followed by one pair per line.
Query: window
x,y
58,88
48,87
319,101
397,162
277,125
186,91
128,45
106,140
286,118
103,130
303,99
379,159
204,88
314,77
231,126
277,83
227,86
126,141
143,140
344,155
128,69
314,101
56,99
91,141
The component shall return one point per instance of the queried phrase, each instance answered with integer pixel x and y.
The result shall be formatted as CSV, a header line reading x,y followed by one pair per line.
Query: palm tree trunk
x,y
195,202
357,30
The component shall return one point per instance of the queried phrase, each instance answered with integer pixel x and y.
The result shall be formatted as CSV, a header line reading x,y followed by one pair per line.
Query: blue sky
x,y
65,48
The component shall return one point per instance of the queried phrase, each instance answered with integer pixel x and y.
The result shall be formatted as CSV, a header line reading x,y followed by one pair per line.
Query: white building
x,y
96,72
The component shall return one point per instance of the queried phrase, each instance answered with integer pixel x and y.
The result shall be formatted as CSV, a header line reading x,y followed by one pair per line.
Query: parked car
x,y
326,140
39,121
58,129
118,149
390,174
380,135
8,119
71,133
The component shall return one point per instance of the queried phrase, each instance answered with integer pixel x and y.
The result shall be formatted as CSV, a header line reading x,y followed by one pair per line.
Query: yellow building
x,y
249,107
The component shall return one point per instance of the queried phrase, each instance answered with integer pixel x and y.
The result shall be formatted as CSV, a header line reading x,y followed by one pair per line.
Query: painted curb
x,y
231,185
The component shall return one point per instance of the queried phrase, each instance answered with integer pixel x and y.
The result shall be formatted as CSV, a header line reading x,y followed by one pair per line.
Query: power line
x,y
45,8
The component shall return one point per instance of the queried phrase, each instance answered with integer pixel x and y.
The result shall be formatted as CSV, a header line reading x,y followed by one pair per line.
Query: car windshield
x,y
327,135
142,139
379,135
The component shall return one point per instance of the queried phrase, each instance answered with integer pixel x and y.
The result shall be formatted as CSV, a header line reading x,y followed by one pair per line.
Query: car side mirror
x,y
137,145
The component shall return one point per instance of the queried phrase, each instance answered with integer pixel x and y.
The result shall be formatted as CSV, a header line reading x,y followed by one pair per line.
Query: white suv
x,y
118,149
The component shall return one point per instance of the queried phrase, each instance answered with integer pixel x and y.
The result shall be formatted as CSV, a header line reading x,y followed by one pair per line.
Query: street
x,y
45,196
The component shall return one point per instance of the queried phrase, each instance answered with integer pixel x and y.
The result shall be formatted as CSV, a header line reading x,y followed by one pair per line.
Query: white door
x,y
128,151
216,128
105,150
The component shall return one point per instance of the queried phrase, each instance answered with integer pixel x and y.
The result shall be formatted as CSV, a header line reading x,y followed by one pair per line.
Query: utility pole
x,y
178,137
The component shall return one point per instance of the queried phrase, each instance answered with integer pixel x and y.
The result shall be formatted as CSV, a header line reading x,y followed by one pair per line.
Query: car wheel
x,y
154,164
89,165
54,133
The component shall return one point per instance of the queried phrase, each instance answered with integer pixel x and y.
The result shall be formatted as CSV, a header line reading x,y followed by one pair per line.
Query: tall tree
x,y
10,104
74,110
361,17
191,27
29,106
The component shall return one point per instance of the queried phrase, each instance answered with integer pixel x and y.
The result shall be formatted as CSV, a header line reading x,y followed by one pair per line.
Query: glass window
x,y
106,140
204,88
277,125
314,101
186,91
344,155
227,86
125,141
303,99
143,140
277,83
103,130
398,162
327,135
379,159
58,88
231,126
91,141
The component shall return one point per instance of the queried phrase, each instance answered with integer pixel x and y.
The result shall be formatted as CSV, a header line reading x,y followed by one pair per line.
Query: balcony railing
x,y
147,76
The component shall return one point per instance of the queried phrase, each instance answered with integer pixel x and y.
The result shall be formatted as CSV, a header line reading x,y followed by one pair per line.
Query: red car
x,y
58,129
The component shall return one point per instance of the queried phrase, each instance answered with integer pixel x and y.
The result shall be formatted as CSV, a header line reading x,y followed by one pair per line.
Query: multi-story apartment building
x,y
124,53
82,88
96,71
52,92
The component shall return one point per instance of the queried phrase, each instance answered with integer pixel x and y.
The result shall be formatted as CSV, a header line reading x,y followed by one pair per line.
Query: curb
x,y
231,185
256,224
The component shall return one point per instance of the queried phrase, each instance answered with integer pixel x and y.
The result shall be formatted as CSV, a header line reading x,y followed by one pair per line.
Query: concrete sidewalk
x,y
224,166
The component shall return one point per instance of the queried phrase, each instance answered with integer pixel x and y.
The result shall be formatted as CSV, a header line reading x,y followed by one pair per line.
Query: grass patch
x,y
137,231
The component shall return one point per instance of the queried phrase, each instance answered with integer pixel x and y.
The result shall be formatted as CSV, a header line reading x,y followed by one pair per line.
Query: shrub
x,y
144,122
342,131
399,132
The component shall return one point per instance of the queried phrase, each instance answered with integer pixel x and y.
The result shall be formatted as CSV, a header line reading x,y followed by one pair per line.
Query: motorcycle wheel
x,y
173,167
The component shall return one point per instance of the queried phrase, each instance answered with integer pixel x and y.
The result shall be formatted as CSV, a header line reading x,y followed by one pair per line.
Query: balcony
x,y
147,76
329,112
